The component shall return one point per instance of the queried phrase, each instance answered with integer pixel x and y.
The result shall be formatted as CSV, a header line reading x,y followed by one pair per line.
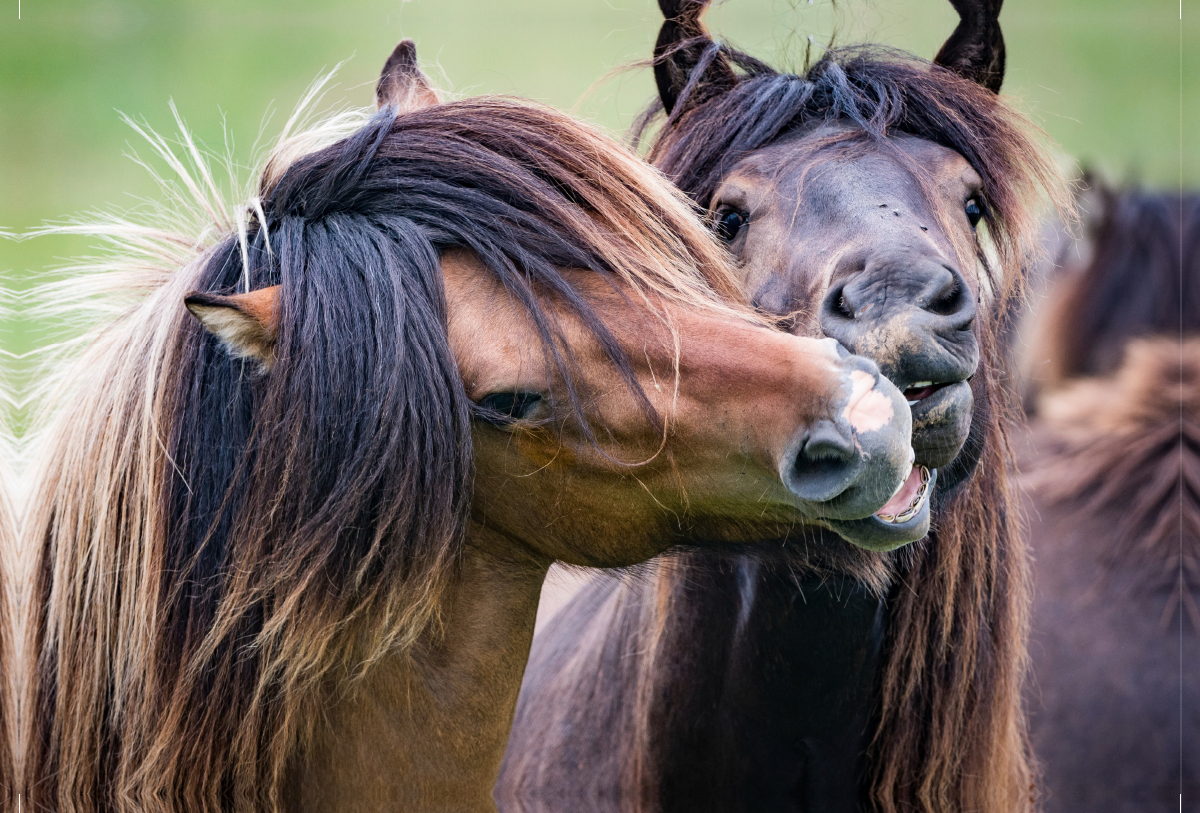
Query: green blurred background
x,y
1103,77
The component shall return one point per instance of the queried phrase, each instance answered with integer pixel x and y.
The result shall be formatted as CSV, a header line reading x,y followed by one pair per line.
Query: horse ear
x,y
247,324
975,50
682,42
401,83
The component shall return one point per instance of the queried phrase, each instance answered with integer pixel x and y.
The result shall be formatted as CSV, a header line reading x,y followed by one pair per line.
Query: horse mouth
x,y
909,499
885,530
924,389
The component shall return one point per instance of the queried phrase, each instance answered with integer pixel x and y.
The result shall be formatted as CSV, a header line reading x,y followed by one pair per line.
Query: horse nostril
x,y
947,295
825,464
898,302
948,301
826,443
837,304
844,307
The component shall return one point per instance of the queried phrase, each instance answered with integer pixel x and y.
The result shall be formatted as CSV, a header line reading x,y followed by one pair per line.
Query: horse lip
x,y
937,366
879,535
941,424
944,392
933,387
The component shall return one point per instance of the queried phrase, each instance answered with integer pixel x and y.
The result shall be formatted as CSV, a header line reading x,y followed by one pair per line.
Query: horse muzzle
x,y
913,316
860,461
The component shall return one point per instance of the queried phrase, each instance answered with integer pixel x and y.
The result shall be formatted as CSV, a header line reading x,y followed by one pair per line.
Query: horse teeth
x,y
920,384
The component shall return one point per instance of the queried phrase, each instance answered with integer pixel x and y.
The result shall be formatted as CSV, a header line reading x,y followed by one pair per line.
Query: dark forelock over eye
x,y
729,223
503,408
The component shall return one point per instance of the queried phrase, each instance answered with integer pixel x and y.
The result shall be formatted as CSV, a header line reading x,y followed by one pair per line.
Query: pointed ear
x,y
975,50
682,42
246,324
401,84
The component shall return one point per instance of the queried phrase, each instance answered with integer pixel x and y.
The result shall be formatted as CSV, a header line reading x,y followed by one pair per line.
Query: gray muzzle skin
x,y
850,466
913,315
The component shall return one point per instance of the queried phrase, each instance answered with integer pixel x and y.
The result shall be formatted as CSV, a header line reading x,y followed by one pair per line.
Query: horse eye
x,y
503,408
729,224
974,211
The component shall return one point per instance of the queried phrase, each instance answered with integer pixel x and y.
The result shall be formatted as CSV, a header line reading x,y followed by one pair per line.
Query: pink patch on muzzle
x,y
868,409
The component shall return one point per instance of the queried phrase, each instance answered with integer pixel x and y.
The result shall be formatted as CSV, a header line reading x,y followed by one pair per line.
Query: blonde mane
x,y
174,666
12,578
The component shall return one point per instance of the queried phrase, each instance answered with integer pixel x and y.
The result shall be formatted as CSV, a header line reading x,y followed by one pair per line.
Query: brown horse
x,y
291,550
1113,494
889,203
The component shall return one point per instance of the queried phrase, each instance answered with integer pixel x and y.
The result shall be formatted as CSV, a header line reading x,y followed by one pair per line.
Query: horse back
x,y
1112,491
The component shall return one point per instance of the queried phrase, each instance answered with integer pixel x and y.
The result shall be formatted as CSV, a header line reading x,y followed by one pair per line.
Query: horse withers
x,y
890,203
1111,469
296,505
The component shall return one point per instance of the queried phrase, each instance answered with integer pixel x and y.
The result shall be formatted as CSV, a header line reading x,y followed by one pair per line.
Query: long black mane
x,y
365,399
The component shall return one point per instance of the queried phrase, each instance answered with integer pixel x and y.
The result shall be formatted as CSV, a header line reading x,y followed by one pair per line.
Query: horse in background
x,y
295,504
892,204
1111,477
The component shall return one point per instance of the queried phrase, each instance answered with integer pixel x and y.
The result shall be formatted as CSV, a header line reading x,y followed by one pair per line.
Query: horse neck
x,y
425,730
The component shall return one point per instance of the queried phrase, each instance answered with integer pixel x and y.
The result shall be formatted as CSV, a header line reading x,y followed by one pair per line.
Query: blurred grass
x,y
1101,76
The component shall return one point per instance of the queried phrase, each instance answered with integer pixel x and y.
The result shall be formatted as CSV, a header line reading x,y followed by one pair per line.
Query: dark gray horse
x,y
858,197
1113,495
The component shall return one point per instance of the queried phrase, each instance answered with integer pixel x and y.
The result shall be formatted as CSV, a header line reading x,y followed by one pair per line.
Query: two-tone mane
x,y
950,734
12,581
221,551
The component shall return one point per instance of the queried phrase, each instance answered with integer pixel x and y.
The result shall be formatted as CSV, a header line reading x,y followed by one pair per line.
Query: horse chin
x,y
963,465
878,534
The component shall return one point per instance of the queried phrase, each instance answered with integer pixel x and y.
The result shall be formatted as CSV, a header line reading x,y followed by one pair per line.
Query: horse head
x,y
855,198
615,412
